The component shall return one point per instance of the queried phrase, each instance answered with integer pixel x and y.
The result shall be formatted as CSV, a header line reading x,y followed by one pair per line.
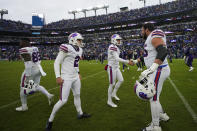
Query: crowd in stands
x,y
157,10
176,44
178,35
9,25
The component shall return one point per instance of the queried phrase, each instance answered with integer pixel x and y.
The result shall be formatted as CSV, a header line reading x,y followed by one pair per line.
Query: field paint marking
x,y
186,104
4,106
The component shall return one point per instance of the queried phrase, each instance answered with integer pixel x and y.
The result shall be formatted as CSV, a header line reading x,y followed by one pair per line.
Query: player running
x,y
33,71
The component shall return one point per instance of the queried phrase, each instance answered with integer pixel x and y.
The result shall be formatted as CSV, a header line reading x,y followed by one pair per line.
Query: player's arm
x,y
117,58
141,58
161,49
58,61
28,65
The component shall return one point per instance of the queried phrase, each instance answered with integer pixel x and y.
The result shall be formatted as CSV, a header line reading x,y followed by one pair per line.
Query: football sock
x,y
117,86
77,102
110,92
56,108
155,110
43,91
23,98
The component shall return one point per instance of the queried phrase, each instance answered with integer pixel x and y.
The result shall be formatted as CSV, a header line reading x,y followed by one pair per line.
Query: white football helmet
x,y
72,38
114,39
29,87
145,88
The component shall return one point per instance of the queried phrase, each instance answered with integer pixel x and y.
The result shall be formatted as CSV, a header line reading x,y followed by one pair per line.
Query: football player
x,y
113,68
189,57
155,52
69,78
33,71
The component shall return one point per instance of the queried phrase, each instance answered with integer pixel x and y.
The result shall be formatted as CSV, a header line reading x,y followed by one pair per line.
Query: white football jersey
x,y
70,63
33,52
113,51
150,52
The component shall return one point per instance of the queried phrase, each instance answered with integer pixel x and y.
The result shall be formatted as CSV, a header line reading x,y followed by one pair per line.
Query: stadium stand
x,y
177,19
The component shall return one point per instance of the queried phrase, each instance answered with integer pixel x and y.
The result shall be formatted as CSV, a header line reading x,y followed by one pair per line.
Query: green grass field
x,y
132,114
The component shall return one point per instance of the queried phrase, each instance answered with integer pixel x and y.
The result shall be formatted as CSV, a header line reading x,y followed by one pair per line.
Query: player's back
x,y
150,52
70,64
111,58
31,52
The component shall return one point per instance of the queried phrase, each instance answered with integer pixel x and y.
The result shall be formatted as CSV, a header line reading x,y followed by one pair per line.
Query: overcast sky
x,y
55,10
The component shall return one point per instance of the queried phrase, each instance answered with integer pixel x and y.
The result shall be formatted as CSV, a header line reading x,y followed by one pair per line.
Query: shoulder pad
x,y
64,48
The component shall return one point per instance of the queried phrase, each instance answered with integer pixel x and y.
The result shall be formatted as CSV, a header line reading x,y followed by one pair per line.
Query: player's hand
x,y
134,61
131,63
27,79
146,73
59,80
150,70
79,76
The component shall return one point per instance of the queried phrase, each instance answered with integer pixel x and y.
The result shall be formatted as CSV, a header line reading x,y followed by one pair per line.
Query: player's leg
x,y
156,108
36,79
64,93
112,80
77,101
118,84
190,60
123,66
23,96
165,73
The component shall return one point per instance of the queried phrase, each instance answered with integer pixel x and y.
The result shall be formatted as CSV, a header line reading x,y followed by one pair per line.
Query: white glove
x,y
150,70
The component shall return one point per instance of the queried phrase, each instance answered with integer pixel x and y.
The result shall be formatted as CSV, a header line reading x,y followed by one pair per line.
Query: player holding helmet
x,y
155,52
33,71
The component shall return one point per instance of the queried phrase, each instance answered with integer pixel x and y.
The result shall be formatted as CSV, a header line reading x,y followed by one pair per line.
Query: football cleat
x,y
49,126
164,117
50,99
115,96
84,115
191,69
21,108
112,104
151,127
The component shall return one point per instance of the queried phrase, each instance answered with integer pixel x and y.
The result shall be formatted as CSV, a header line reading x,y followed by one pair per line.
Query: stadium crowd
x,y
157,10
178,35
9,25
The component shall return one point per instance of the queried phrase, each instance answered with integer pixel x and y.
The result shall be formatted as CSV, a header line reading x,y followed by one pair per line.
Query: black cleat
x,y
84,115
49,126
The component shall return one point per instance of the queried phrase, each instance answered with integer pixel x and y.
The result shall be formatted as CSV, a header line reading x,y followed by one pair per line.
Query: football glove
x,y
150,70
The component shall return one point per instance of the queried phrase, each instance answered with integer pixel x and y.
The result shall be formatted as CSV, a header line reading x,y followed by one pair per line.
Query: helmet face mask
x,y
29,87
75,39
145,88
116,39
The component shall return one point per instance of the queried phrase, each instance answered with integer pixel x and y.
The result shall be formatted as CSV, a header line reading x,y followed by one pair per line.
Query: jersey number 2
x,y
76,62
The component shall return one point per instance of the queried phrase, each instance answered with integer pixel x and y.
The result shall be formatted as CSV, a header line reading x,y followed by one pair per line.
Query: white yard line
x,y
186,104
14,102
